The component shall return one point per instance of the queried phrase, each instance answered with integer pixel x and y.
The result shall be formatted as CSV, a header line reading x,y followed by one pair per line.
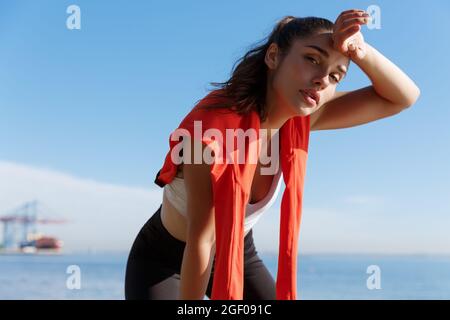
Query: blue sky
x,y
99,104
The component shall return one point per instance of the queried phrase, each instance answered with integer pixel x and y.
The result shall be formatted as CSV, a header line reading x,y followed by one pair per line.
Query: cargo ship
x,y
39,242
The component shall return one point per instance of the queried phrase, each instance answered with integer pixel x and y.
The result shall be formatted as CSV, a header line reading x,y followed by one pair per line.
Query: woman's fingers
x,y
346,31
340,35
352,10
340,39
360,14
352,22
350,31
354,15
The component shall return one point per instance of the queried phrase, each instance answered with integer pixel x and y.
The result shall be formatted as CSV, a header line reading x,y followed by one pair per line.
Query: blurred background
x,y
86,114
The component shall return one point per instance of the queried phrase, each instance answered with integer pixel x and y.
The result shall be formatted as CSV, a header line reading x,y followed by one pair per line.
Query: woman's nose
x,y
322,82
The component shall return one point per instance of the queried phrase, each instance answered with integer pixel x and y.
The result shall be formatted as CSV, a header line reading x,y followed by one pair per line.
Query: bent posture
x,y
288,85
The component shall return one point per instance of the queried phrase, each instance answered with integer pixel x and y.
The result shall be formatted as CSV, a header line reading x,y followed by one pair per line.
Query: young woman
x,y
289,82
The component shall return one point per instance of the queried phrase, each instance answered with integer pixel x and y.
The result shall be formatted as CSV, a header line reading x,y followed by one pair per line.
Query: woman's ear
x,y
272,56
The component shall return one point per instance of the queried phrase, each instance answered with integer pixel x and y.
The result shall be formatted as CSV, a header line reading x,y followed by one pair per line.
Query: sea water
x,y
101,276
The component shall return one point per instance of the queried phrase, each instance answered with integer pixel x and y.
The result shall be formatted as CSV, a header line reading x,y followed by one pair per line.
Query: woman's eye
x,y
311,59
335,79
316,62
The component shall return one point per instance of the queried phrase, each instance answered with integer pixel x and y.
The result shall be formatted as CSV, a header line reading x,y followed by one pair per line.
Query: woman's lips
x,y
308,99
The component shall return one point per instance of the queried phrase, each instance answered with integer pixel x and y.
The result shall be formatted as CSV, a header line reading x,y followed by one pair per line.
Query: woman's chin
x,y
299,108
304,111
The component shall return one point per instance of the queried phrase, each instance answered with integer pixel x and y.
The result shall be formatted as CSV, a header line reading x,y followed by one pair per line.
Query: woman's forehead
x,y
322,41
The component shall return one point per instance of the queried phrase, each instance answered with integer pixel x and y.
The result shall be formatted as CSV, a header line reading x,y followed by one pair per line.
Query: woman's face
x,y
313,65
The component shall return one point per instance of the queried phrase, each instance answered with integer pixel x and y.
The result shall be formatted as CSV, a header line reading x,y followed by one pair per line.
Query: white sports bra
x,y
175,192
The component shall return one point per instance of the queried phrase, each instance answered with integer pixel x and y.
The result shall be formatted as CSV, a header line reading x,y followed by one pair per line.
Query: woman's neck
x,y
276,114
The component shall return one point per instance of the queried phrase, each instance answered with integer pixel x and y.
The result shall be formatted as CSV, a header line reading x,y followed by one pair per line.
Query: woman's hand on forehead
x,y
347,36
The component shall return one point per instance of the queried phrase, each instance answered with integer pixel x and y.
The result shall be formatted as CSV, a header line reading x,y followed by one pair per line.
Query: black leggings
x,y
154,264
